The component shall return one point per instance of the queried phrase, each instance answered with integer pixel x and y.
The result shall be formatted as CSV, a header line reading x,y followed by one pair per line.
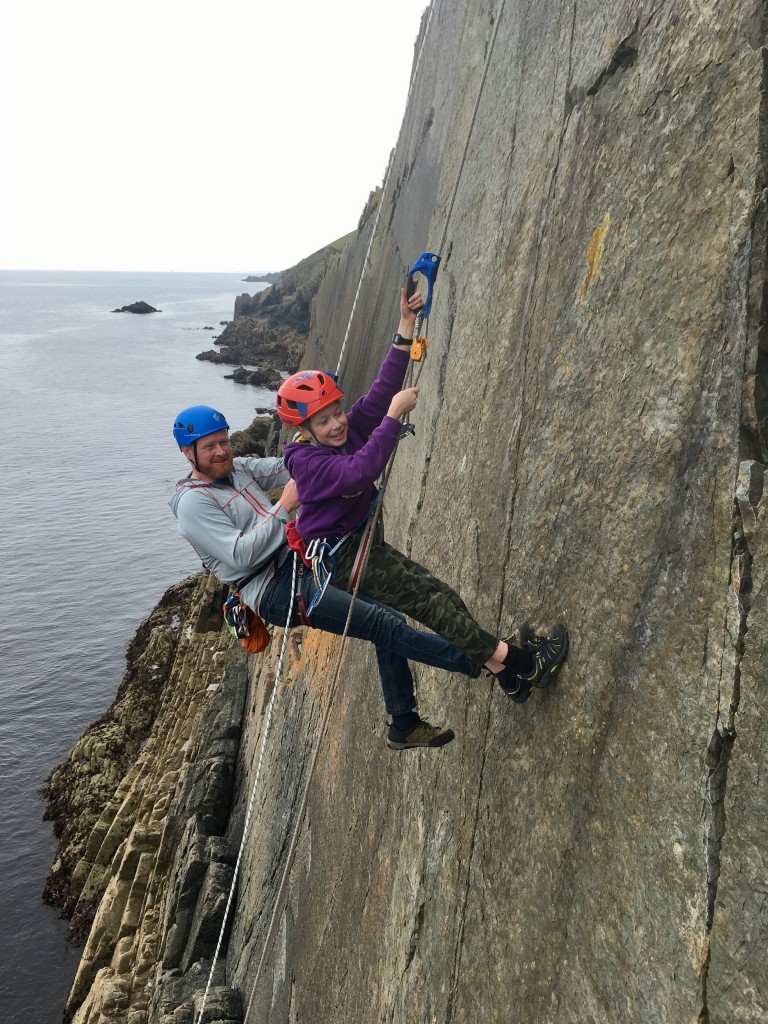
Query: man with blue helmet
x,y
222,505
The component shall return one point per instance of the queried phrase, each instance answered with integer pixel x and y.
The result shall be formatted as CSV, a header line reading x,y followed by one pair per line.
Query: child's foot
x,y
513,685
548,652
508,679
424,735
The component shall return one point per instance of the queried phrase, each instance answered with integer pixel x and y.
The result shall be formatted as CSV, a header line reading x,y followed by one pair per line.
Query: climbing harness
x,y
428,269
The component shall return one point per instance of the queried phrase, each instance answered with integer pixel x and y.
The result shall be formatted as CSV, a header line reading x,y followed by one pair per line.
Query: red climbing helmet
x,y
304,394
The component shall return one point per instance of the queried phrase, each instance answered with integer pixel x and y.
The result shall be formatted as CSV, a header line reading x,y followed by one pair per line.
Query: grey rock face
x,y
590,447
594,384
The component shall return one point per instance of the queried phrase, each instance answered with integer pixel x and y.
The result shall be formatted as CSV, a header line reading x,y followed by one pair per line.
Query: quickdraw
x,y
321,558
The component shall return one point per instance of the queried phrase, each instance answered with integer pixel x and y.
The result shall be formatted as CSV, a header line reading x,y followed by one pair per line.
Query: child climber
x,y
335,461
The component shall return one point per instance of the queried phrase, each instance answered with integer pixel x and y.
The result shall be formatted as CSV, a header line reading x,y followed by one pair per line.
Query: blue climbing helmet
x,y
195,422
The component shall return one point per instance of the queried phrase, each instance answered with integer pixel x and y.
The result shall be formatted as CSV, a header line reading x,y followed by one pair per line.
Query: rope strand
x,y
249,811
385,479
390,165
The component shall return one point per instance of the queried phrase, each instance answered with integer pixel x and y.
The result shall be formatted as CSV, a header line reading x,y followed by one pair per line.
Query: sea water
x,y
88,544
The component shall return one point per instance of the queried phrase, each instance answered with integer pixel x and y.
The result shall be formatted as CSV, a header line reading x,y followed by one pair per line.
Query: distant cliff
x,y
590,446
271,327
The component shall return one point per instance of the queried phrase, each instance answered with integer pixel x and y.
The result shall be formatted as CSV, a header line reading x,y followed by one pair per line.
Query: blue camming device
x,y
426,265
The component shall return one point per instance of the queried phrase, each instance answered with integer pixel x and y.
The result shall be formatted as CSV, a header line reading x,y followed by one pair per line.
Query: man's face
x,y
214,455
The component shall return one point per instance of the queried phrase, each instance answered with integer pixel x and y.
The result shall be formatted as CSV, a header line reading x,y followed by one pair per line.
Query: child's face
x,y
329,426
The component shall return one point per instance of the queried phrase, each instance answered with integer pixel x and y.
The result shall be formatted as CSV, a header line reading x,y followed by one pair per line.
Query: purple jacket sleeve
x,y
368,412
322,473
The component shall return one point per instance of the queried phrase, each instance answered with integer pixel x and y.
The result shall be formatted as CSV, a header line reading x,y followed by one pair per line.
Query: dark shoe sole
x,y
438,741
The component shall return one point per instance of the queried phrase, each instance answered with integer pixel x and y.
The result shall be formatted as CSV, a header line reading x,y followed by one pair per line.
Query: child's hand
x,y
408,309
403,402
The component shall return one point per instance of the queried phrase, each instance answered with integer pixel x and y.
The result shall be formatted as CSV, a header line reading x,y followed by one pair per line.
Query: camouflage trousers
x,y
396,580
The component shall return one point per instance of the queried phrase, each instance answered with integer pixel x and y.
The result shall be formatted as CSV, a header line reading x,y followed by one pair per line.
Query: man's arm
x,y
228,552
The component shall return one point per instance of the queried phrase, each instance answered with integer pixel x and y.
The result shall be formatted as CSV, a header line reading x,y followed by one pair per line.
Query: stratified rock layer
x,y
590,446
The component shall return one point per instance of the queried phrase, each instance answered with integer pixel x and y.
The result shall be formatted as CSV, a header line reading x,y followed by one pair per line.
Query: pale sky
x,y
233,136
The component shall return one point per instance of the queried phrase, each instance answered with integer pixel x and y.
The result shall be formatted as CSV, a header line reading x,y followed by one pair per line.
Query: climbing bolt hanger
x,y
426,265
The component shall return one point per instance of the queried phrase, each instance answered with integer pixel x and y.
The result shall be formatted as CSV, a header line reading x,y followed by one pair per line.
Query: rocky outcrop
x,y
78,791
270,328
180,770
264,378
590,445
137,307
253,440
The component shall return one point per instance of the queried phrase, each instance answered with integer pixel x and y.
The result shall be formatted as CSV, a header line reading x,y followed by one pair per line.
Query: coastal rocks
x,y
262,278
181,774
266,377
254,439
137,307
78,790
257,343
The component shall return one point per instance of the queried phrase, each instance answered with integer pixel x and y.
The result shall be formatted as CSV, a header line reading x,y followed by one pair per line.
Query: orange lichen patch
x,y
594,256
319,655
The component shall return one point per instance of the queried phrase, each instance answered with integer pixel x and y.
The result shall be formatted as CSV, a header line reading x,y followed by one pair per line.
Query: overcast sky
x,y
233,136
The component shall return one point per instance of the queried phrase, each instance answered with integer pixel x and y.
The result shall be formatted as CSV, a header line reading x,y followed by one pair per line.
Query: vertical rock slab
x,y
594,382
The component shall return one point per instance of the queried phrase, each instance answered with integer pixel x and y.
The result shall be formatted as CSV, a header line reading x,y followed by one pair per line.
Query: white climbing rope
x,y
316,751
371,524
384,187
249,811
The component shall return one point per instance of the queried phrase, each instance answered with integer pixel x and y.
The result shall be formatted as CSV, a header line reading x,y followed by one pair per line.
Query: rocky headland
x,y
591,446
270,328
262,278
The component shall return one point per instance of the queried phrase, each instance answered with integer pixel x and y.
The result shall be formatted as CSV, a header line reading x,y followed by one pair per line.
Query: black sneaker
x,y
424,735
514,686
509,681
549,652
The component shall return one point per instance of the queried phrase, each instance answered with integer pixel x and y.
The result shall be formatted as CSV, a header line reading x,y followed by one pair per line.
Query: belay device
x,y
427,265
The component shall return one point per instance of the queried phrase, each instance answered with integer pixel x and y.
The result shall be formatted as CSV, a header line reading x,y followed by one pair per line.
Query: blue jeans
x,y
395,641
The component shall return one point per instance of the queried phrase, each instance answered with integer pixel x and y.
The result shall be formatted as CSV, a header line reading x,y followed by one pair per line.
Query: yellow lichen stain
x,y
594,256
697,940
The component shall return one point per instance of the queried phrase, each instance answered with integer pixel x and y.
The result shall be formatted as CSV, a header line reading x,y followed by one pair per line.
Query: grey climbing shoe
x,y
424,735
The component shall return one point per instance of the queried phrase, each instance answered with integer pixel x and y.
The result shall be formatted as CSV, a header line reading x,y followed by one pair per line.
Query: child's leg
x,y
395,641
396,580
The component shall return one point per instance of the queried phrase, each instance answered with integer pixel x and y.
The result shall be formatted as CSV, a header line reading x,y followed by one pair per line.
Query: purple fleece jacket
x,y
336,485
